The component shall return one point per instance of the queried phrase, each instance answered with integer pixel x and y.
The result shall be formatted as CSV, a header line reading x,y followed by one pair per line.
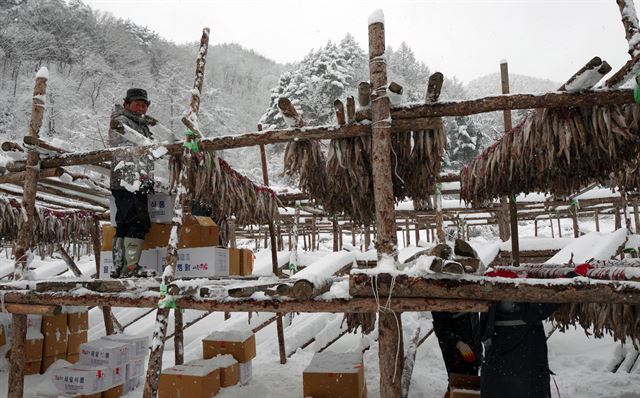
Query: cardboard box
x,y
48,361
78,321
334,375
73,358
108,232
200,262
34,324
118,374
246,262
197,231
75,340
464,386
245,371
139,344
132,384
160,206
240,344
82,379
54,329
96,395
3,338
32,367
105,352
234,261
113,392
148,259
189,380
135,369
158,236
33,348
229,369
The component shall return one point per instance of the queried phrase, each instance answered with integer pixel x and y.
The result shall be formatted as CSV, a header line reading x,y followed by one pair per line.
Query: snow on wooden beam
x,y
404,118
35,309
587,76
19,177
577,290
631,28
150,300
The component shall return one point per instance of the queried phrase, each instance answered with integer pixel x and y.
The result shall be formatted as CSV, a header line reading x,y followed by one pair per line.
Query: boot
x,y
132,253
117,249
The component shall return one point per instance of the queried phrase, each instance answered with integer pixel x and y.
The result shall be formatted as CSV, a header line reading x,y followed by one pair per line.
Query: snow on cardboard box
x,y
193,380
241,344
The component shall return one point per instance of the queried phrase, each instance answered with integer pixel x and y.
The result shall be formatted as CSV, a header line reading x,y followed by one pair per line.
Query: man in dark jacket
x,y
131,181
456,333
515,362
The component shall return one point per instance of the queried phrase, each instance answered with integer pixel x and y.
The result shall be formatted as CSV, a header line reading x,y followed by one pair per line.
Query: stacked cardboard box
x,y
198,254
229,369
54,330
194,380
135,368
241,344
78,326
114,365
464,386
33,344
335,375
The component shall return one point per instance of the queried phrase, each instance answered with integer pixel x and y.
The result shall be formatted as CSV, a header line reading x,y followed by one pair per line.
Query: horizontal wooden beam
x,y
150,300
35,309
413,117
577,290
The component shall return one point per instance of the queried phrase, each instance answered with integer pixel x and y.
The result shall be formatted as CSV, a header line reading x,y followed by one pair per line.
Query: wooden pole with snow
x,y
391,351
157,346
25,235
513,209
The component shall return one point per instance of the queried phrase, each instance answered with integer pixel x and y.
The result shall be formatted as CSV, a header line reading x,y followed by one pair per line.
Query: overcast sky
x,y
467,39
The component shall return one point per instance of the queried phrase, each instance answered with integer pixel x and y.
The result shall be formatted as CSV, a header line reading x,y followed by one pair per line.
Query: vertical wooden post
x,y
597,219
336,240
417,225
157,346
440,235
617,219
24,241
513,210
367,237
353,234
574,219
389,323
636,217
231,232
274,257
18,356
313,233
467,231
407,231
178,336
503,218
340,237
559,226
289,238
535,227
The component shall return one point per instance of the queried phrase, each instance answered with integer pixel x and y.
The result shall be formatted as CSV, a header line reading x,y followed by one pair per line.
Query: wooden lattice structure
x,y
400,293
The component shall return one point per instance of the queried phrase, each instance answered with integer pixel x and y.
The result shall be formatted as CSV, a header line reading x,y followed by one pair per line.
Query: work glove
x,y
467,353
580,270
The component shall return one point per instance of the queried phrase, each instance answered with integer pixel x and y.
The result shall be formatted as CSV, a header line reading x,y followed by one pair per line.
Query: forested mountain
x,y
94,57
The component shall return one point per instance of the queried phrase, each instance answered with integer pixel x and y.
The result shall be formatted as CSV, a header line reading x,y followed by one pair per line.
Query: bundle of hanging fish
x,y
621,321
628,177
344,183
214,184
49,225
556,150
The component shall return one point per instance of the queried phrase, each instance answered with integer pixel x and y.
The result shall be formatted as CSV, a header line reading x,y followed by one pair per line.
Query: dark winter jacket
x,y
451,328
130,172
515,362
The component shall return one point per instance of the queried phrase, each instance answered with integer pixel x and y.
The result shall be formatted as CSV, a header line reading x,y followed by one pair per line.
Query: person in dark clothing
x,y
131,181
456,333
515,362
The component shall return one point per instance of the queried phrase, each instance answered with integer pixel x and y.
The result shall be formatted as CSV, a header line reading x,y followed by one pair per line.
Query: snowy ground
x,y
579,362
